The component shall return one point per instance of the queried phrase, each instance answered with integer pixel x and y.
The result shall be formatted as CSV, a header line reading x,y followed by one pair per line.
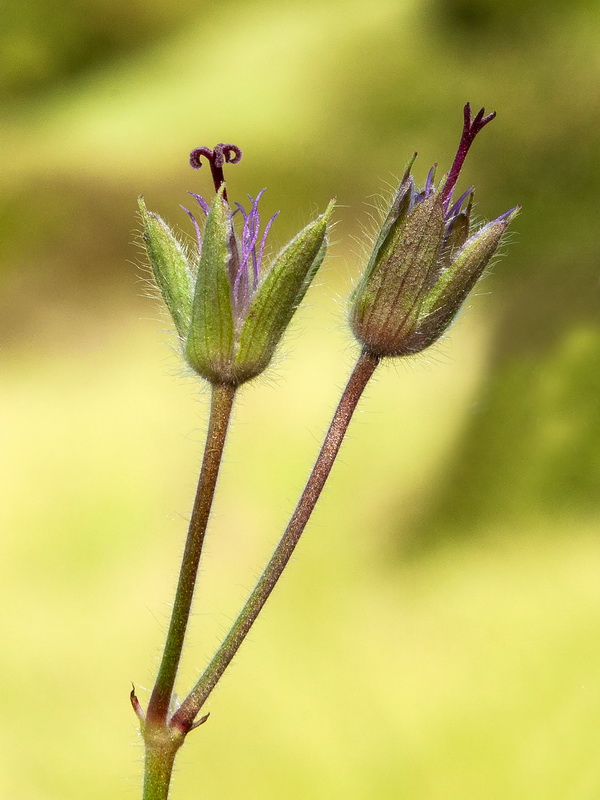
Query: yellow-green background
x,y
437,636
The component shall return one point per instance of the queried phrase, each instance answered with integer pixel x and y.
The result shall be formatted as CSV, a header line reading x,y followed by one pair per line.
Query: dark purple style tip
x,y
471,128
220,155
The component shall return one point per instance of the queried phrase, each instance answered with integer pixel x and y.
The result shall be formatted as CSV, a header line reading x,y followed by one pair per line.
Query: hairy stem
x,y
158,766
220,413
359,378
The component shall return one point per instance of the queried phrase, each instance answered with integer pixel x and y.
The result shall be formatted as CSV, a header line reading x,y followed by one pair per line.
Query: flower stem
x,y
359,378
220,413
158,766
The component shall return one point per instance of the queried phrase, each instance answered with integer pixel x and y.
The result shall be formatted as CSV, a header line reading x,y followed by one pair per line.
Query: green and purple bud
x,y
425,261
229,307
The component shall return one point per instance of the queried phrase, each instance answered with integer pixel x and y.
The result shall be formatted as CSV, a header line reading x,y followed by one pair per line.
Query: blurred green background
x,y
438,634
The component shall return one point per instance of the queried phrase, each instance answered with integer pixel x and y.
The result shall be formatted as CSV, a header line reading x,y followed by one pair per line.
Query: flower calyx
x,y
426,259
230,305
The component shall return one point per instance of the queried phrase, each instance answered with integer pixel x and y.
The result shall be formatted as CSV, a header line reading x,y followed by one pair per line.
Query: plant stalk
x,y
220,413
158,765
357,382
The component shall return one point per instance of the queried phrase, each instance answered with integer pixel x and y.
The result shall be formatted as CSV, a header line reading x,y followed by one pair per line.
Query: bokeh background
x,y
437,636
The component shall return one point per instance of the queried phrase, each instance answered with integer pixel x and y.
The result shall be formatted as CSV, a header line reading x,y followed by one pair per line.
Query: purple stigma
x,y
219,156
471,128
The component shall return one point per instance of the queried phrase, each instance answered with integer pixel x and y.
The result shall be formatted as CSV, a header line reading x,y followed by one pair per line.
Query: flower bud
x,y
425,260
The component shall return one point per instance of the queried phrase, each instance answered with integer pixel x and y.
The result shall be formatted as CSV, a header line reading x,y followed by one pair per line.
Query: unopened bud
x,y
425,260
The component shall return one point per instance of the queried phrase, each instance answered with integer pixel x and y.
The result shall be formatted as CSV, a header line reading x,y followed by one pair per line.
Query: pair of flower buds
x,y
231,311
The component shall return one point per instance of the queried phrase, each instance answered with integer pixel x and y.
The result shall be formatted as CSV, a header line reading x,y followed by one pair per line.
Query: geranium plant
x,y
231,307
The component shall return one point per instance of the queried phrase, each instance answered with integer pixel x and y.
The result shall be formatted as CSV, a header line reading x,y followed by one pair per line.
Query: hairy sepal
x,y
170,267
279,295
211,337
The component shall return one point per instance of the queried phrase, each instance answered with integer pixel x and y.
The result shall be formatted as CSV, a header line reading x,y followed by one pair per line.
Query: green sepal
x,y
391,230
387,302
170,267
457,280
442,303
210,341
279,295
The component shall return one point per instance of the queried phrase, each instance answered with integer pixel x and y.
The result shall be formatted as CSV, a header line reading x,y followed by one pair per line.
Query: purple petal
x,y
201,202
250,236
196,226
455,209
240,290
240,208
251,252
263,240
429,182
